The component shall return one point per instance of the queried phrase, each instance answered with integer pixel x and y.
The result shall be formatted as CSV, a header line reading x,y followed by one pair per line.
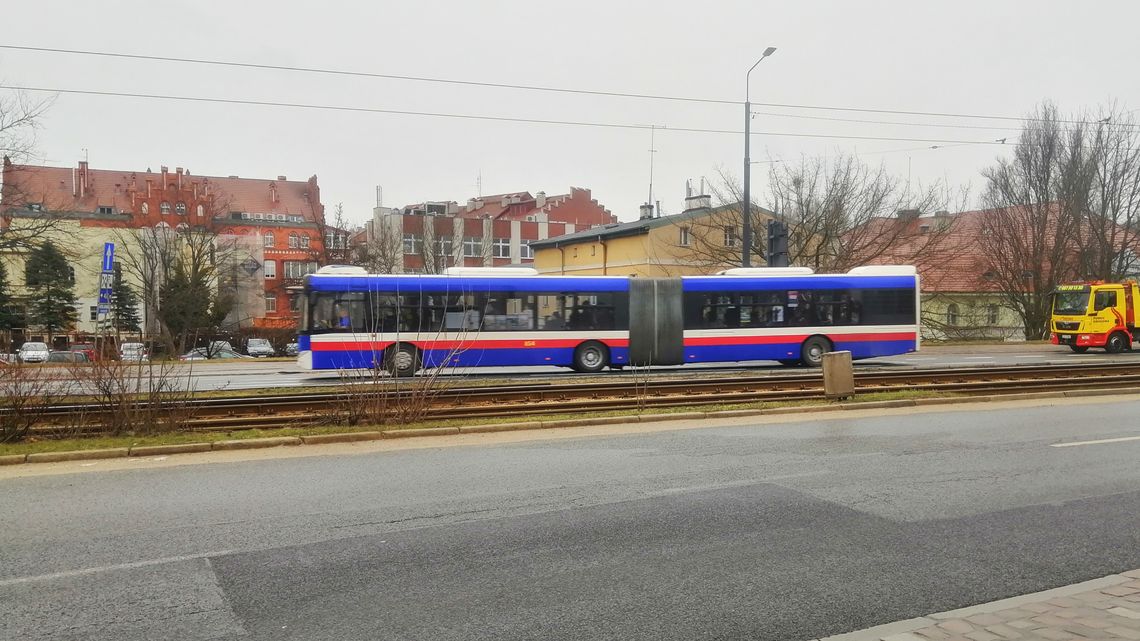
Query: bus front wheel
x,y
813,350
591,357
402,360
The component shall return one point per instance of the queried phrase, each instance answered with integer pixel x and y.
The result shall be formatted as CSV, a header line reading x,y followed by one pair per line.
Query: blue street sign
x,y
104,309
108,257
104,296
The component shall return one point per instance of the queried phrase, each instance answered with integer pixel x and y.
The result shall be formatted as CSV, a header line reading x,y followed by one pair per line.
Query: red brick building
x,y
277,225
486,231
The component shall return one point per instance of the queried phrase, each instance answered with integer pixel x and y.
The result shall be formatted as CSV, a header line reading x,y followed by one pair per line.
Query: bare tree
x,y
1036,201
20,118
382,252
1109,186
840,213
28,213
334,238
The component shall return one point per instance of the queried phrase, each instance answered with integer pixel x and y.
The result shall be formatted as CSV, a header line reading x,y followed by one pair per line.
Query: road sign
x,y
250,265
104,309
108,257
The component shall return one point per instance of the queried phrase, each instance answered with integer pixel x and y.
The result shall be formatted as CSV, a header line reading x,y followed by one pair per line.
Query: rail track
x,y
627,391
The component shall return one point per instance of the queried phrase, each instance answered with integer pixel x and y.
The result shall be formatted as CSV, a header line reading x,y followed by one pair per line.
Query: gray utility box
x,y
838,375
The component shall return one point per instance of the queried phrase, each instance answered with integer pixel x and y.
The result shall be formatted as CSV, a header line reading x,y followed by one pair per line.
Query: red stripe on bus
x,y
769,340
341,346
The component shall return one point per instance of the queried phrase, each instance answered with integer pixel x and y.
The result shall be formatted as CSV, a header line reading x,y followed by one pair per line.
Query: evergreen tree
x,y
7,313
125,307
52,290
190,305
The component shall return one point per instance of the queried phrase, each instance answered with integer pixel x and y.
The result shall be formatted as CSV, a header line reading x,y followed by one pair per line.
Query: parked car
x,y
133,352
86,349
33,353
202,353
68,357
291,349
260,347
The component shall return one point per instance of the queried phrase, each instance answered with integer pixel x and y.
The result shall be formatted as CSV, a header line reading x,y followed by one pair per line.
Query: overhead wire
x,y
463,116
518,86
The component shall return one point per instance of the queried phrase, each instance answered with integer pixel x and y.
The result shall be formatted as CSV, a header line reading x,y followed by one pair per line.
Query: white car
x,y
260,347
33,353
132,352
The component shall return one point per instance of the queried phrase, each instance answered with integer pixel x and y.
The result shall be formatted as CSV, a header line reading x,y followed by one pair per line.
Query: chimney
x,y
281,178
907,214
942,213
471,205
164,170
479,203
273,192
646,212
83,178
452,207
506,200
540,199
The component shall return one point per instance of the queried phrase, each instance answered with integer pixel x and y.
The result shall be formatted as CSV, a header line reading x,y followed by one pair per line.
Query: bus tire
x,y
790,362
591,356
813,350
1080,349
402,360
1116,343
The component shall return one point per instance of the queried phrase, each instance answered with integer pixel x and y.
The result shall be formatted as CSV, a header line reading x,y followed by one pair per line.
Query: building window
x,y
526,252
180,209
501,248
445,246
730,238
93,313
952,314
106,210
267,239
145,209
164,207
329,237
294,240
412,244
992,314
270,303
305,241
201,211
294,303
39,206
297,269
271,269
683,236
472,246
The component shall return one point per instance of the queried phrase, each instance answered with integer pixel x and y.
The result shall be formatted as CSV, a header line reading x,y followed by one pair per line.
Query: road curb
x,y
502,427
422,431
78,455
13,459
256,443
178,448
346,437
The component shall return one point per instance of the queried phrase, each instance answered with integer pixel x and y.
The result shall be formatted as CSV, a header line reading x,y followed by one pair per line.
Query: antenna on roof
x,y
652,150
479,185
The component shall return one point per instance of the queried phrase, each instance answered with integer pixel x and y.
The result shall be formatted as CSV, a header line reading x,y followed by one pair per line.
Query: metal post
x,y
746,201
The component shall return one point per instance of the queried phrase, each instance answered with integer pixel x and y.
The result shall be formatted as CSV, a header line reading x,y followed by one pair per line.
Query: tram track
x,y
627,391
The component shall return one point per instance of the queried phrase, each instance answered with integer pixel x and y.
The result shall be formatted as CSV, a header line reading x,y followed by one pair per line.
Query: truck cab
x,y
1095,314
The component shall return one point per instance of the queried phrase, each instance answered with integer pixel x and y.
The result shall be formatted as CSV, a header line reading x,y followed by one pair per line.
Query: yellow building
x,y
700,240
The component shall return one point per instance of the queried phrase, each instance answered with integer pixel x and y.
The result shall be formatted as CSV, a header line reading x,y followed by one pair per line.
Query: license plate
x,y
1065,339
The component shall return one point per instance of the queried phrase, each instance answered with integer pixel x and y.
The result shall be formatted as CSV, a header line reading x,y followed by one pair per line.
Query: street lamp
x,y
746,204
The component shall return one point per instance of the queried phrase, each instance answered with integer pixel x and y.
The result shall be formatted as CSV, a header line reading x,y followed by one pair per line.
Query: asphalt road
x,y
253,374
784,531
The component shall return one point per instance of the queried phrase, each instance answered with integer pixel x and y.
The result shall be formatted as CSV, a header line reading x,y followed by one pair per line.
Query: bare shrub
x,y
136,398
27,394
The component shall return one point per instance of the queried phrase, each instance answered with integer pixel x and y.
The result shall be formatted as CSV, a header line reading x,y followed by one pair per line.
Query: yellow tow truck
x,y
1095,314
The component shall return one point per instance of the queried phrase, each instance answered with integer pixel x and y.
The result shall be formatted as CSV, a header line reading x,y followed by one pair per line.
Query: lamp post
x,y
746,204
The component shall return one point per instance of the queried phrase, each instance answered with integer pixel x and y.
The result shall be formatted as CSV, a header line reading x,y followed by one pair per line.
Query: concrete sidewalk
x,y
1105,608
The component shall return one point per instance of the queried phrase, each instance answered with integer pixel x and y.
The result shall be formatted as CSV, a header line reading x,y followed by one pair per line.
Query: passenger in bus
x,y
554,321
343,319
732,317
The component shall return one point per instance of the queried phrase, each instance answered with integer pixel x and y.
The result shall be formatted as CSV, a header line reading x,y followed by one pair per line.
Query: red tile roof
x,y
58,189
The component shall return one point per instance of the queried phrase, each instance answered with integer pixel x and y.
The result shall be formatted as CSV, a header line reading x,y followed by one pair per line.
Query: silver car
x,y
33,353
132,352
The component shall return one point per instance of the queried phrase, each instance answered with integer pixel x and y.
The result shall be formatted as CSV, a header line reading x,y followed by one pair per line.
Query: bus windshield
x,y
1071,302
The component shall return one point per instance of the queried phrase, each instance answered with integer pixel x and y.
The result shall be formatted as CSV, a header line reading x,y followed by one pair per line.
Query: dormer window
x,y
164,208
106,210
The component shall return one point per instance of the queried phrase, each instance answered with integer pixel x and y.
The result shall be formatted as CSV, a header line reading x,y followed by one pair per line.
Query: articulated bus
x,y
471,317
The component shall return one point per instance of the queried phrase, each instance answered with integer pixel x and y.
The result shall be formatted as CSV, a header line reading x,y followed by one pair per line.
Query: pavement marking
x,y
1097,442
109,568
978,358
1029,356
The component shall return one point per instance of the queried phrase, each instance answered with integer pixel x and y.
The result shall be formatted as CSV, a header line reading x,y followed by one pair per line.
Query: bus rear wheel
x,y
1080,349
813,350
402,360
1116,343
591,357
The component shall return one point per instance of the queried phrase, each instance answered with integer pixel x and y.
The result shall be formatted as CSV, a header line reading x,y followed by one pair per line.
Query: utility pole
x,y
746,201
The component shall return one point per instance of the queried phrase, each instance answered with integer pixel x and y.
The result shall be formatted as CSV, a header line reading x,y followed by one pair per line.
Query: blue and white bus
x,y
471,317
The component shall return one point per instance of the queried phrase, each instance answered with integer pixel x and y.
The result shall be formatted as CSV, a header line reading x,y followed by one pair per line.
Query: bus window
x,y
338,312
507,311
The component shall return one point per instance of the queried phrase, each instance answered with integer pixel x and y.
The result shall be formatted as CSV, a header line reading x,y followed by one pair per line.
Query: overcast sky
x,y
974,57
